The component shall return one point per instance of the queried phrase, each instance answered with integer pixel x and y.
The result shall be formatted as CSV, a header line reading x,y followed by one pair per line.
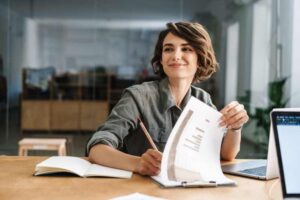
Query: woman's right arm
x,y
147,164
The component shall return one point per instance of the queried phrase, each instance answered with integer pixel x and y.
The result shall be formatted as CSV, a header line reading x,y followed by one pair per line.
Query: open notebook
x,y
192,154
77,166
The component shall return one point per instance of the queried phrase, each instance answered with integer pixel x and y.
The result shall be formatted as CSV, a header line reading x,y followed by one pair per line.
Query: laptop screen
x,y
286,127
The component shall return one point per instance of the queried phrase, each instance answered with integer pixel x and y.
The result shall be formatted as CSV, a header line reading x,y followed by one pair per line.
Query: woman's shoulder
x,y
200,94
144,88
199,90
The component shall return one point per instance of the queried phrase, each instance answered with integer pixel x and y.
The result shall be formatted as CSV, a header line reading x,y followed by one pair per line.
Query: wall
x,y
295,71
3,35
260,54
289,39
63,52
11,48
73,49
243,15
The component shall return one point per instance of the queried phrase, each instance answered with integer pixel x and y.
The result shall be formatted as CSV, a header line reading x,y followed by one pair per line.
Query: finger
x,y
156,154
229,111
234,111
237,125
150,169
229,106
154,171
225,111
239,122
235,117
146,170
151,159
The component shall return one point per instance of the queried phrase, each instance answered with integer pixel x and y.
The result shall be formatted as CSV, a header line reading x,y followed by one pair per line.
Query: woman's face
x,y
179,59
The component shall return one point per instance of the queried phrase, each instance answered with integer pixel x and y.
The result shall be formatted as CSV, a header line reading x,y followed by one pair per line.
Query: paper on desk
x,y
137,196
192,152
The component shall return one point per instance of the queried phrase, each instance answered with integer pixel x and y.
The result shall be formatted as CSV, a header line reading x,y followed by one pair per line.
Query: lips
x,y
176,65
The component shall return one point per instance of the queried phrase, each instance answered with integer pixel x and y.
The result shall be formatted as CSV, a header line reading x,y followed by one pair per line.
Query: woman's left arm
x,y
234,117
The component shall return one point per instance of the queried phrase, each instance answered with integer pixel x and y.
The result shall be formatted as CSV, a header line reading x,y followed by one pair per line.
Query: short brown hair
x,y
196,35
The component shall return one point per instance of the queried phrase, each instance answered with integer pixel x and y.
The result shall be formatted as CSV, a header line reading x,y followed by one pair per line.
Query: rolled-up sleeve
x,y
122,120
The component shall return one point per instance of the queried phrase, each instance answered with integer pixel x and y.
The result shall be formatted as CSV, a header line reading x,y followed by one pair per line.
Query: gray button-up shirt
x,y
153,103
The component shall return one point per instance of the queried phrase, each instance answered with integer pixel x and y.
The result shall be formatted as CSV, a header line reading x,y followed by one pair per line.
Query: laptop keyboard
x,y
260,171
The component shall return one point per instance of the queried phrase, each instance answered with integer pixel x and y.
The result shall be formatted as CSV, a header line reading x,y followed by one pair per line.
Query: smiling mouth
x,y
176,64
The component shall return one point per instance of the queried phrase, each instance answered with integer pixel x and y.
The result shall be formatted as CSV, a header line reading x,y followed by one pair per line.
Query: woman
x,y
183,55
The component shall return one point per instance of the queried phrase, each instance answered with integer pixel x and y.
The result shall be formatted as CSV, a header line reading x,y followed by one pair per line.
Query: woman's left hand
x,y
234,116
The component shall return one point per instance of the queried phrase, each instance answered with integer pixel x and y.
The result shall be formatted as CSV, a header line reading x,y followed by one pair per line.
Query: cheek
x,y
194,63
164,59
194,60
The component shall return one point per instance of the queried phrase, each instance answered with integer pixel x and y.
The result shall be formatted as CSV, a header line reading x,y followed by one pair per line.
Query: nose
x,y
177,54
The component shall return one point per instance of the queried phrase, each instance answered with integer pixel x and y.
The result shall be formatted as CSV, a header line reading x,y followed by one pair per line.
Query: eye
x,y
187,49
167,49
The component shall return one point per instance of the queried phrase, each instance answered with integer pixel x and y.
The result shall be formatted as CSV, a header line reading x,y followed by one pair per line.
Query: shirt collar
x,y
186,99
166,98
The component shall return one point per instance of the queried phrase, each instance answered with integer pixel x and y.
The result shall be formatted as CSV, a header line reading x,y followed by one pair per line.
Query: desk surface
x,y
17,182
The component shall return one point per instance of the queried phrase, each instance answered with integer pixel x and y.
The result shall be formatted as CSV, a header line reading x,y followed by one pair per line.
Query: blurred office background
x,y
64,63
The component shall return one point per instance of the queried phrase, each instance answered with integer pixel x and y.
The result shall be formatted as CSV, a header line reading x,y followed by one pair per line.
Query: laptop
x,y
263,169
286,126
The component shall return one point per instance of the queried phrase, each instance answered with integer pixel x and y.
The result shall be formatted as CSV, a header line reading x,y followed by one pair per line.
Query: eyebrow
x,y
170,44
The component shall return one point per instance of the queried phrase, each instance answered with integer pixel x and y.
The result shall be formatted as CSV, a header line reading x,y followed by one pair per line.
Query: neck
x,y
179,89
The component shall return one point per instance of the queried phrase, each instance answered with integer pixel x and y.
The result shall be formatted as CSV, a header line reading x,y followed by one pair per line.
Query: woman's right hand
x,y
149,163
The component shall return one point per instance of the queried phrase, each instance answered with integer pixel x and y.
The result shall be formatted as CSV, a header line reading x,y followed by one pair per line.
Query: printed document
x,y
192,153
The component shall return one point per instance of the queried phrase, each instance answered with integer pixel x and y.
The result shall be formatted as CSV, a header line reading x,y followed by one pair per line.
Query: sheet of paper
x,y
192,152
98,170
137,196
166,182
